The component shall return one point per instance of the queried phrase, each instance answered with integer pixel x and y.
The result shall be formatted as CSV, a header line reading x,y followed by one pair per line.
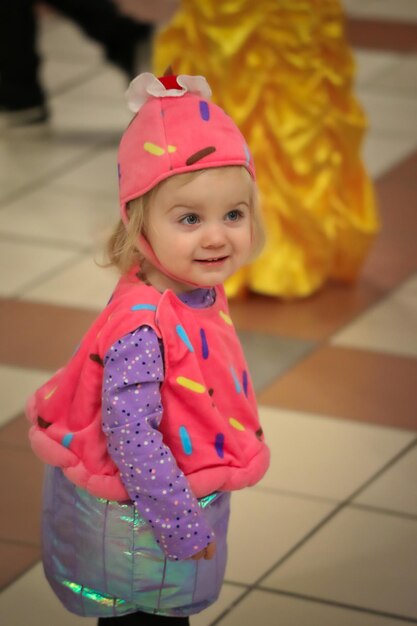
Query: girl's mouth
x,y
213,260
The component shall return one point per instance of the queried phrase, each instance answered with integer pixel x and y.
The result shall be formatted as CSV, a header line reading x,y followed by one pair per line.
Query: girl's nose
x,y
214,236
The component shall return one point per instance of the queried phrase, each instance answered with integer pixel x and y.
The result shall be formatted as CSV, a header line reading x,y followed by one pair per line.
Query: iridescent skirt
x,y
101,559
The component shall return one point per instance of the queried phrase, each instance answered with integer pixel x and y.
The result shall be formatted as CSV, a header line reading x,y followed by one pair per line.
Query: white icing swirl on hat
x,y
146,86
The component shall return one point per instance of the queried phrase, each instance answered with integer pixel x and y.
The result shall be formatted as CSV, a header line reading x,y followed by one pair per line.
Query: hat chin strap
x,y
146,249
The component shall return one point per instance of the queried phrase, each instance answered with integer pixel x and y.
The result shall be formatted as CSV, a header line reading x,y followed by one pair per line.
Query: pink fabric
x,y
210,419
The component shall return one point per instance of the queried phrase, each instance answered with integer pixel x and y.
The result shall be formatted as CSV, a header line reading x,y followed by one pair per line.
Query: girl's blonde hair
x,y
122,250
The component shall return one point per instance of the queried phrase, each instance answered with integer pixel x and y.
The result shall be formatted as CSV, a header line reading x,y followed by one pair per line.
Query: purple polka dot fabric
x,y
132,412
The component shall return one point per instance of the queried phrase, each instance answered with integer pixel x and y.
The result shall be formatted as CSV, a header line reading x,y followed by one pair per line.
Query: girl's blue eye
x,y
234,215
190,219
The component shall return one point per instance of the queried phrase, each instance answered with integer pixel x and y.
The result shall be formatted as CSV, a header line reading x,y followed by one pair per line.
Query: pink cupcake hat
x,y
175,130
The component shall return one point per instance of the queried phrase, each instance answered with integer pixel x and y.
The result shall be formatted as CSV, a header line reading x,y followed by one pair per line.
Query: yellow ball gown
x,y
284,71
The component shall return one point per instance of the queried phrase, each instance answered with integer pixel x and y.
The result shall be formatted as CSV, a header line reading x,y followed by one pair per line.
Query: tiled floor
x,y
329,537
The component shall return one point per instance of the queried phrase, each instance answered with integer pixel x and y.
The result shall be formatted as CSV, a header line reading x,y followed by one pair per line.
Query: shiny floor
x,y
330,535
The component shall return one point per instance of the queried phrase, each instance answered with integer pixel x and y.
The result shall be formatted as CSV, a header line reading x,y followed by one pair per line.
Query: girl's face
x,y
200,227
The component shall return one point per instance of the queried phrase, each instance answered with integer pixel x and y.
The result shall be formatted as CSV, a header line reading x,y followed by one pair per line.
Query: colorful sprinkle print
x,y
235,379
204,110
43,423
219,445
186,440
259,434
192,385
204,344
143,307
236,424
197,156
50,393
97,359
152,148
184,337
66,440
225,318
245,382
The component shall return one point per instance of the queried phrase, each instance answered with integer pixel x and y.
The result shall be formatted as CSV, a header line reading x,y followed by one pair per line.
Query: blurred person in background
x,y
284,71
22,97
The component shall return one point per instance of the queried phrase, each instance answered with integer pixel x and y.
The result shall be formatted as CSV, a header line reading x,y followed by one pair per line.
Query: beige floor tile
x,y
22,264
98,175
15,386
269,609
396,10
30,600
96,123
25,159
390,115
107,87
61,74
370,64
359,558
264,527
62,39
321,457
74,217
396,489
390,326
229,594
399,79
83,285
381,153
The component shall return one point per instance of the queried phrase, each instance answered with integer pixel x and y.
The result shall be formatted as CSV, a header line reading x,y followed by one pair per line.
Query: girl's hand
x,y
207,553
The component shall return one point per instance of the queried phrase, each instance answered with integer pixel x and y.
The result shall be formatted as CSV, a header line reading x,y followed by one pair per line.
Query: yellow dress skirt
x,y
284,71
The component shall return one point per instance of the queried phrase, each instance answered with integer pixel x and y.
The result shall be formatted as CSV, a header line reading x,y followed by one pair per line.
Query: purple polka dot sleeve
x,y
132,412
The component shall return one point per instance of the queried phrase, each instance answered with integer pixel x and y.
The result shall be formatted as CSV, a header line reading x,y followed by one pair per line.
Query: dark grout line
x,y
313,531
383,511
297,495
383,469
